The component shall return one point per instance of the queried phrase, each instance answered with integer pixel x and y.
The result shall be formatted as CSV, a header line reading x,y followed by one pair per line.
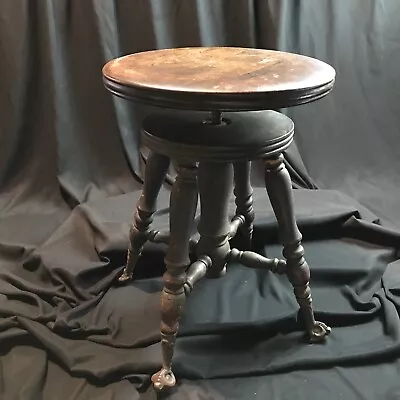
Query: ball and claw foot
x,y
125,277
319,332
163,379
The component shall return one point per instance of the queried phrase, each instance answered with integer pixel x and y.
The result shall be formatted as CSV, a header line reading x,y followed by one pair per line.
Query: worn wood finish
x,y
221,152
215,182
156,170
241,136
183,205
257,261
224,81
220,166
195,272
244,200
219,78
279,188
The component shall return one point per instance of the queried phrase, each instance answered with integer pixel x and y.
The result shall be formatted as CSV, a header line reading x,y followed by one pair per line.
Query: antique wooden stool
x,y
213,151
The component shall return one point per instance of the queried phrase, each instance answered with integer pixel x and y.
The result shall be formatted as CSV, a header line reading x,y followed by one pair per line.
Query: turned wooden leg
x,y
215,188
182,212
278,184
156,170
244,200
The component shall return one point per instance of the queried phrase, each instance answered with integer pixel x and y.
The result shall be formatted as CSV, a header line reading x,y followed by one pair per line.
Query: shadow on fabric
x,y
66,324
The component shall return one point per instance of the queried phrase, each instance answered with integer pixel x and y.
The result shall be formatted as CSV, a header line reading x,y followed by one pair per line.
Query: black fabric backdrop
x,y
70,174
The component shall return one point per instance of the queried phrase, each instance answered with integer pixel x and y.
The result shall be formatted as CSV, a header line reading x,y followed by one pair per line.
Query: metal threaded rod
x,y
216,117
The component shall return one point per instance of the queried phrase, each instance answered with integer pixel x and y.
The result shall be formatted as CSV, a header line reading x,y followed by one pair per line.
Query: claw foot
x,y
125,277
163,378
319,331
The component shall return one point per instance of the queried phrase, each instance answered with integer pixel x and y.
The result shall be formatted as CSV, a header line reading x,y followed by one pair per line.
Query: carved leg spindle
x,y
215,187
156,170
244,199
278,184
182,212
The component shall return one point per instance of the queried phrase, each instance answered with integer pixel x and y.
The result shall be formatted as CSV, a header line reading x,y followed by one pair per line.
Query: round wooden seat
x,y
241,136
219,78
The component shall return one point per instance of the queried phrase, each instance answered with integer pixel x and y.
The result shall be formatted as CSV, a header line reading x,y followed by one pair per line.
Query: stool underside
x,y
240,136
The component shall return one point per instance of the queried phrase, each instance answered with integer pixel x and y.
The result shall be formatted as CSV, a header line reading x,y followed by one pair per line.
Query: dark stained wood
x,y
156,170
241,136
183,204
214,226
279,189
205,145
244,200
219,78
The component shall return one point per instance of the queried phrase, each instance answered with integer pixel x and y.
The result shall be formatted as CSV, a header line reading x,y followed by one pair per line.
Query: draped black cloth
x,y
71,169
